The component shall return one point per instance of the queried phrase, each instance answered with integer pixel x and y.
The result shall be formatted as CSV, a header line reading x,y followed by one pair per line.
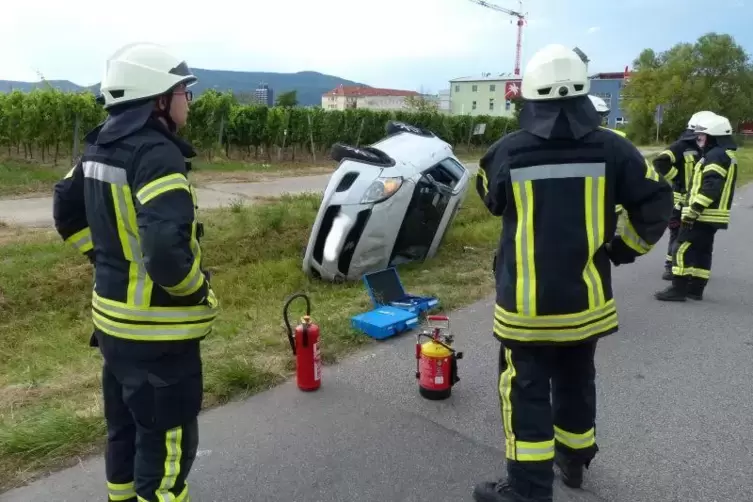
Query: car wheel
x,y
394,127
365,154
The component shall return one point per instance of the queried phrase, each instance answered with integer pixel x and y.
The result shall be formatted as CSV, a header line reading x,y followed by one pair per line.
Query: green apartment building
x,y
484,95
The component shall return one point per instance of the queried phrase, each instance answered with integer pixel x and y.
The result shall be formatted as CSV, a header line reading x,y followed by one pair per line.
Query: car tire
x,y
365,154
395,127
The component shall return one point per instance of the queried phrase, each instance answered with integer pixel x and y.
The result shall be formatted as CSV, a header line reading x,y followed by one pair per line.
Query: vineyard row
x,y
53,121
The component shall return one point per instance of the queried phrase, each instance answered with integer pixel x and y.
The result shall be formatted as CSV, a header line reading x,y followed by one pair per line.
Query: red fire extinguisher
x,y
436,360
305,345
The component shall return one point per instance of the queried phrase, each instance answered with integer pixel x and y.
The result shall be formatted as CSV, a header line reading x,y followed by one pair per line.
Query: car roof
x,y
422,151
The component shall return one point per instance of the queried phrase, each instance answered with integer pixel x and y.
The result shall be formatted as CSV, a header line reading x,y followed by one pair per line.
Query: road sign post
x,y
659,118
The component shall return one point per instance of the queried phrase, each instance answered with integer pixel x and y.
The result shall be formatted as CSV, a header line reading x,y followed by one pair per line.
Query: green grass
x,y
26,178
50,405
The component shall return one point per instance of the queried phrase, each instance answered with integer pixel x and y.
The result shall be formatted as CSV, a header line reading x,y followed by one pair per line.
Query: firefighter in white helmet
x,y
705,210
555,184
676,164
128,206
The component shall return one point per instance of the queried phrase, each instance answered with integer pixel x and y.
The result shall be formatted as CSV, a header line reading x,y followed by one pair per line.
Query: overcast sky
x,y
410,44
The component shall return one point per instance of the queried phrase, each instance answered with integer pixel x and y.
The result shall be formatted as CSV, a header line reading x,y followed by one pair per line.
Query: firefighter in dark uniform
x,y
676,164
555,184
706,210
128,206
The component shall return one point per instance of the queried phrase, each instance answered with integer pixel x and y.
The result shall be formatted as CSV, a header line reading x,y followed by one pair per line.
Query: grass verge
x,y
50,405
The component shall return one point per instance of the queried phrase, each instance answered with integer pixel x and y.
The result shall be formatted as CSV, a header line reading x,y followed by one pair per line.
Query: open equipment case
x,y
395,311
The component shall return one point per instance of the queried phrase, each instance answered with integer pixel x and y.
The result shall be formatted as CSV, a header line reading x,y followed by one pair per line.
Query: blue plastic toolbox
x,y
384,322
386,289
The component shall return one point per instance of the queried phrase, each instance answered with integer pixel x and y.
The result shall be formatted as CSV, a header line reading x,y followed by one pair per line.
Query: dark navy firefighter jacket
x,y
555,184
128,206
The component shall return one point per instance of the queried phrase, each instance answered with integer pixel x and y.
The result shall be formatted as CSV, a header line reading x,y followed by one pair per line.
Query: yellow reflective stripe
x,y
162,185
633,240
529,451
678,197
702,200
570,334
670,154
729,184
484,180
81,240
651,173
690,162
594,211
573,440
166,315
69,174
715,168
505,390
151,332
190,284
525,287
120,491
618,208
671,174
555,320
173,449
679,267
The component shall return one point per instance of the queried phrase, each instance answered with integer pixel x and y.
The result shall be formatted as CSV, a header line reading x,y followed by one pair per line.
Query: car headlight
x,y
381,189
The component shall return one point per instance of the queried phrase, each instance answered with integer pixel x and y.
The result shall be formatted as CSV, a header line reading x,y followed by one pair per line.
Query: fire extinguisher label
x,y
439,380
317,363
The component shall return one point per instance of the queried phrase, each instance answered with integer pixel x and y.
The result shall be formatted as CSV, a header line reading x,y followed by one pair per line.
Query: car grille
x,y
351,241
346,182
324,229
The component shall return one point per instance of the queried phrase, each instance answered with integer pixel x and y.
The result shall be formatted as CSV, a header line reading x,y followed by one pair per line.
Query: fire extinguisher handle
x,y
286,319
438,318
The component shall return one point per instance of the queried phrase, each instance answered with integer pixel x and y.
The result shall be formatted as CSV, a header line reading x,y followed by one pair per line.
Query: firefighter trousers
x,y
691,259
151,408
674,231
548,398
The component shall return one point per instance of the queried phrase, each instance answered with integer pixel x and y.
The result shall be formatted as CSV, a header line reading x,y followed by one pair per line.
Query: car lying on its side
x,y
386,204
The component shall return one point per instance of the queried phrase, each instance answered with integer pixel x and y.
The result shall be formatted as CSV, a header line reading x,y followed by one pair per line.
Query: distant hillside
x,y
309,84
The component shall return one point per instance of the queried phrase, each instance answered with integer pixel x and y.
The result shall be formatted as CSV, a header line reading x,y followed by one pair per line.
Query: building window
x,y
492,87
473,105
474,88
508,103
457,88
491,104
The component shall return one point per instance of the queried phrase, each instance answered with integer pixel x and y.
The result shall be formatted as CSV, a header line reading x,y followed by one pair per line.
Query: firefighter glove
x,y
619,253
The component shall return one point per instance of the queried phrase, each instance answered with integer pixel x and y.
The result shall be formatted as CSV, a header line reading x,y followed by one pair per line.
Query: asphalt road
x,y
675,411
37,211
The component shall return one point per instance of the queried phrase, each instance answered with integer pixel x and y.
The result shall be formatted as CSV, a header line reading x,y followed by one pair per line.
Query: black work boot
x,y
572,469
677,292
503,491
667,275
695,288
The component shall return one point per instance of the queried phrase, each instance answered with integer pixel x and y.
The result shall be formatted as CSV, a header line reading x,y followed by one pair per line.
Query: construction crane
x,y
521,22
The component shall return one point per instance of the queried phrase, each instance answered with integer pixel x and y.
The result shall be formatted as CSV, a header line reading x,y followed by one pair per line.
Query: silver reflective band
x,y
526,254
106,173
552,171
528,450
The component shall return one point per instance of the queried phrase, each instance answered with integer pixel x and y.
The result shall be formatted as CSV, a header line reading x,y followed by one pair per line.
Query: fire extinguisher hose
x,y
285,316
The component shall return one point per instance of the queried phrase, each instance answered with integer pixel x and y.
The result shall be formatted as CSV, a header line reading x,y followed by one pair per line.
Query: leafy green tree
x,y
714,73
421,104
287,99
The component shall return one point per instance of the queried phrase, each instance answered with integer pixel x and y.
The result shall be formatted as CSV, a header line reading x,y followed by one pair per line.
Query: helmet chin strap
x,y
165,114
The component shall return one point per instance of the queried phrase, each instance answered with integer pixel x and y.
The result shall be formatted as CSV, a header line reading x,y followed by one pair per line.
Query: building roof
x,y
505,77
487,77
614,75
360,91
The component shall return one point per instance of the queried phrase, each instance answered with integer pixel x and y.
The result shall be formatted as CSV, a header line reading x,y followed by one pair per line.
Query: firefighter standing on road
x,y
706,210
676,164
128,206
555,184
